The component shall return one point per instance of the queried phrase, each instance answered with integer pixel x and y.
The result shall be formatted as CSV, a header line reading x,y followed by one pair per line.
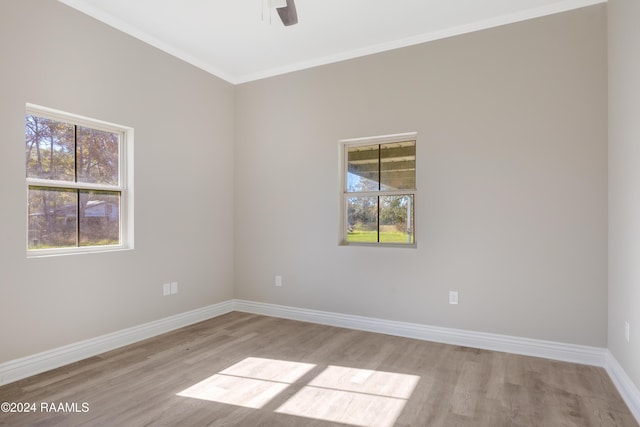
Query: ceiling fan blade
x,y
288,14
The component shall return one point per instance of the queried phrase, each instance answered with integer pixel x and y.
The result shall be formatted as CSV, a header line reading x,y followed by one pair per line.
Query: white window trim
x,y
125,183
342,156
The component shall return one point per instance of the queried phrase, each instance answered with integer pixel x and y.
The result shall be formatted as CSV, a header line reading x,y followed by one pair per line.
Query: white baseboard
x,y
623,383
529,347
17,369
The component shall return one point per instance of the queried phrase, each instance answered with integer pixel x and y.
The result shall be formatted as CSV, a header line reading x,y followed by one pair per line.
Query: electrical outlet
x,y
627,331
453,297
278,280
174,288
166,289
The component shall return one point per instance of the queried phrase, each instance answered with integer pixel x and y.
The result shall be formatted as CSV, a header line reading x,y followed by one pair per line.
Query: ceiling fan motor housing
x,y
288,13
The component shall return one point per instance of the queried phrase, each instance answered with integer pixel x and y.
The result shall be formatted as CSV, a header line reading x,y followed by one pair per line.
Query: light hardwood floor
x,y
248,370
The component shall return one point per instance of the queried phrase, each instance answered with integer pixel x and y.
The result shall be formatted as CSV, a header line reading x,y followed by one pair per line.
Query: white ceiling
x,y
229,39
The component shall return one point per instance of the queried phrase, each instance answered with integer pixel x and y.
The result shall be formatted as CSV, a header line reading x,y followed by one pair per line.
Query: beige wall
x,y
183,119
624,183
512,180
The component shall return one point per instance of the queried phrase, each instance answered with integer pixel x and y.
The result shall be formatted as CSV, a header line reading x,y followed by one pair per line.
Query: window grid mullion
x,y
407,192
378,219
379,189
75,166
35,182
77,218
75,152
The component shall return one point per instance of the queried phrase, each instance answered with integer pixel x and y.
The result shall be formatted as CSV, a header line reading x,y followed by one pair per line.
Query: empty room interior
x,y
257,277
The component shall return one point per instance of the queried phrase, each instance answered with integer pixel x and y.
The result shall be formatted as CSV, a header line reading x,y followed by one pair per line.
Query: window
x,y
378,190
78,185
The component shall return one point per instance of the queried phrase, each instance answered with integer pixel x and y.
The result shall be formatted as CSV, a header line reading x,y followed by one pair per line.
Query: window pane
x,y
362,168
362,219
99,218
52,218
396,219
97,156
49,149
398,166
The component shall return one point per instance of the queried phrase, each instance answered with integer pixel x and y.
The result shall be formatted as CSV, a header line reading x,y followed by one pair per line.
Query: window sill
x,y
47,253
380,245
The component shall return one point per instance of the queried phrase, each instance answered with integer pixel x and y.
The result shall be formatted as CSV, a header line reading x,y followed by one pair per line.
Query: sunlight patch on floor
x,y
353,396
251,383
379,383
360,397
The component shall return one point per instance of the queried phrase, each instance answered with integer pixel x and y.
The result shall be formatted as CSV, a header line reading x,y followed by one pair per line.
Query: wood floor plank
x,y
314,375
